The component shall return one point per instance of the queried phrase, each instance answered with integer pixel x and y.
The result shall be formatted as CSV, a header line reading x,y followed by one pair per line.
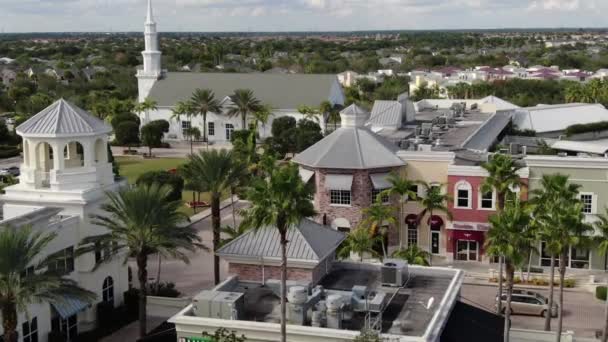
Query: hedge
x,y
7,151
600,292
585,128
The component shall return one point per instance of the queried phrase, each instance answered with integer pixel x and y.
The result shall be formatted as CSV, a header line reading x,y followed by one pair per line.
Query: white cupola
x,y
354,116
65,148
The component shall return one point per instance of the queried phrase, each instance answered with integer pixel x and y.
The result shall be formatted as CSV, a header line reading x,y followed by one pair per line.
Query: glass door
x,y
467,250
472,250
435,242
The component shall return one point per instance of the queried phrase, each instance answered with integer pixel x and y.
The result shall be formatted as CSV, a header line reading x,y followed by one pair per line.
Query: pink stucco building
x,y
471,208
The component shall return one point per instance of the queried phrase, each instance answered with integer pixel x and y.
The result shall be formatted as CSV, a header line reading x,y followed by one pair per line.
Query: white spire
x,y
150,15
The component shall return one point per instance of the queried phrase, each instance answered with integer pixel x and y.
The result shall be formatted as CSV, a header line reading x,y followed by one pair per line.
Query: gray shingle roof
x,y
386,113
351,148
63,119
308,241
281,91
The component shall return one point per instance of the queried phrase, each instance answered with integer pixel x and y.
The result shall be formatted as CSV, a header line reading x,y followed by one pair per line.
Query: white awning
x,y
379,180
306,175
338,182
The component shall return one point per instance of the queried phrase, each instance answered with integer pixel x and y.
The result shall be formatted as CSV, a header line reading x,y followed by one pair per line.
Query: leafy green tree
x,y
166,178
204,102
308,133
414,255
284,135
261,117
152,134
376,217
232,233
507,238
215,172
309,113
359,242
21,250
243,104
281,200
127,134
141,221
401,187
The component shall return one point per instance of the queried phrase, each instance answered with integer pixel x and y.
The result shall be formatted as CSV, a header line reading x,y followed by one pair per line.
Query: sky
x,y
298,15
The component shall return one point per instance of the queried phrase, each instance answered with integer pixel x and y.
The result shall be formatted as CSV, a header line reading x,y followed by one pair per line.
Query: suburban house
x,y
284,93
64,179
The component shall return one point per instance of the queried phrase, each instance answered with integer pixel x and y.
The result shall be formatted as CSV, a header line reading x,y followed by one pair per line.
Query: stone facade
x,y
361,198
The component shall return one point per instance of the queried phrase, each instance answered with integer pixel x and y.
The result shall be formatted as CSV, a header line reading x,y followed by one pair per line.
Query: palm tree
x,y
184,109
216,172
243,104
554,193
414,255
309,113
144,107
401,187
358,242
203,101
192,133
433,201
601,226
261,117
502,178
25,278
325,108
508,239
377,216
279,200
572,232
141,221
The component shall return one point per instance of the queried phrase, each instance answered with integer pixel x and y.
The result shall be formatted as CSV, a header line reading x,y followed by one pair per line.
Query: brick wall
x,y
254,272
360,199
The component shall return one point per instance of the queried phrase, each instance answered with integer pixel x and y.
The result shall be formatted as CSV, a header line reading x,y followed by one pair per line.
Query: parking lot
x,y
583,313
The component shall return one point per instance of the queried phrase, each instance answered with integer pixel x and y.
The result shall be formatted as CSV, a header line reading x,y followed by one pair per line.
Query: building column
x,y
88,152
58,157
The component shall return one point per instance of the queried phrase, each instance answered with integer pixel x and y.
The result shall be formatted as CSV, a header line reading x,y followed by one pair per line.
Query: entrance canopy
x,y
69,306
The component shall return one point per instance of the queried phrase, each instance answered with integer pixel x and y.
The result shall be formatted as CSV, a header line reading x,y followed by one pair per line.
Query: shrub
x,y
127,133
600,292
585,128
7,151
164,289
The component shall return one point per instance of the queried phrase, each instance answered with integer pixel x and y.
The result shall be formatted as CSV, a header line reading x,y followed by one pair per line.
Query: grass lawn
x,y
132,168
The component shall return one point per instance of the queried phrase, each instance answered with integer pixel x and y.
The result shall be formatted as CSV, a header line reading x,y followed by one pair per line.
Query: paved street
x,y
582,312
191,279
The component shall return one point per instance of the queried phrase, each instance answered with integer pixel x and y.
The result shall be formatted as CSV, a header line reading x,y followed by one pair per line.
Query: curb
x,y
516,286
207,212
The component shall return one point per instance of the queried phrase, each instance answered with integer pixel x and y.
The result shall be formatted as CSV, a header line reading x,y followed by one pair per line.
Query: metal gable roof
x,y
386,113
281,91
63,119
351,148
308,241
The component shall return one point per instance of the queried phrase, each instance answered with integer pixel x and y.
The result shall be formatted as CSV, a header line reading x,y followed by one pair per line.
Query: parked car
x,y
10,171
525,302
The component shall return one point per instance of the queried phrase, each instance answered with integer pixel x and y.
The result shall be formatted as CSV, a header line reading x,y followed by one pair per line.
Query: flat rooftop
x,y
419,309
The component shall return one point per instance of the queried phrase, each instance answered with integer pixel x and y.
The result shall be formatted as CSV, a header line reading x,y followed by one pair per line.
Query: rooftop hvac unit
x,y
219,304
394,272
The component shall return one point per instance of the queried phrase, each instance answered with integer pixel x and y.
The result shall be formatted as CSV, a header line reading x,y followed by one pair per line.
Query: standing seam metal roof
x,y
386,113
308,241
63,118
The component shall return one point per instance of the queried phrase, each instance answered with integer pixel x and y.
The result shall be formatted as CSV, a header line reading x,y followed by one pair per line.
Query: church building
x,y
65,176
284,93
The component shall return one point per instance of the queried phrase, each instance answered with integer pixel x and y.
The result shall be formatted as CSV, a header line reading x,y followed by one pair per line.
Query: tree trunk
x,y
194,201
9,322
216,223
191,145
562,274
401,224
233,210
551,278
283,285
499,304
150,151
244,120
205,128
529,265
158,273
510,273
605,333
142,274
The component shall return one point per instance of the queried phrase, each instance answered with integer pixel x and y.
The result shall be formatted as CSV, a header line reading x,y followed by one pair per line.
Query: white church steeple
x,y
152,69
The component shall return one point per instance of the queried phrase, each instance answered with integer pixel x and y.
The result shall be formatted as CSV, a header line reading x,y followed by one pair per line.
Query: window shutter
x,y
594,204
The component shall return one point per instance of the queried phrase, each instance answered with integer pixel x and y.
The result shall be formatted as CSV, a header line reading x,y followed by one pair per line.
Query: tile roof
x,y
63,119
281,91
307,241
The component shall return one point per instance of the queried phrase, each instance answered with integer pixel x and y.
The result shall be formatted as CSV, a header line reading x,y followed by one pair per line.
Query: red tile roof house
x,y
349,168
471,208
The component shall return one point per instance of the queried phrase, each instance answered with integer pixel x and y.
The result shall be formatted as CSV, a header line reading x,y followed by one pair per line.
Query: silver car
x,y
525,302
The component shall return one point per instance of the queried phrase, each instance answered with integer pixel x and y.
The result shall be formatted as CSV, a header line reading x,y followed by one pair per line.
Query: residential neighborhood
x,y
340,185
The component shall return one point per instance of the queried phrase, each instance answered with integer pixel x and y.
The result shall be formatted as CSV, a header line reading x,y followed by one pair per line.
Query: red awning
x,y
435,222
473,235
411,219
